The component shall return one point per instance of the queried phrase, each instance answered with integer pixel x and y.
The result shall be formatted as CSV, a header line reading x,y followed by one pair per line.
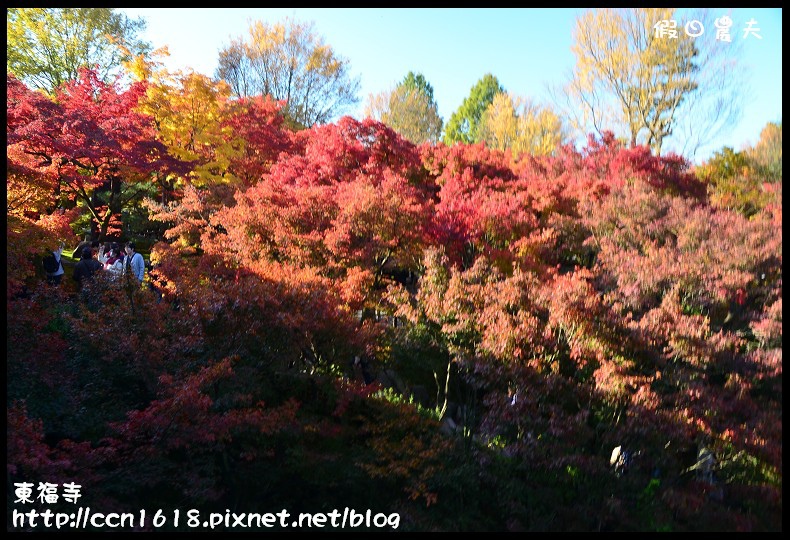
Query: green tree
x,y
47,46
463,123
290,62
409,109
650,87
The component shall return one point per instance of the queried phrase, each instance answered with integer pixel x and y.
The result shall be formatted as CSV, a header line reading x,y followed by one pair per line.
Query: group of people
x,y
109,258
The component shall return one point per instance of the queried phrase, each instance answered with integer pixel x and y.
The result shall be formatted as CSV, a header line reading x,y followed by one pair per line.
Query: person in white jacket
x,y
104,253
114,261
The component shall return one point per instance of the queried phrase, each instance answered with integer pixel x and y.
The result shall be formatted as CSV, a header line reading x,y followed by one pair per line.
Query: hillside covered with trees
x,y
472,336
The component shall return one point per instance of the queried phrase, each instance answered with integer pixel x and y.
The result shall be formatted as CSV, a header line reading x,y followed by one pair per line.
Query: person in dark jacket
x,y
86,268
54,276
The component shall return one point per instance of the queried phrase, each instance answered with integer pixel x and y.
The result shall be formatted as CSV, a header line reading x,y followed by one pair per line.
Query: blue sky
x,y
528,50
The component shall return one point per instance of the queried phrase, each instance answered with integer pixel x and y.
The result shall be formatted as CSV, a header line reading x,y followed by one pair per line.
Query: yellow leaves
x,y
139,68
27,193
627,77
499,125
144,68
322,60
601,32
539,133
266,38
515,124
188,110
290,63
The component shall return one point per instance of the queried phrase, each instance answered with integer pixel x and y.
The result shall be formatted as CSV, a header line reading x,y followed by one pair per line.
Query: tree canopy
x,y
517,124
91,147
463,123
409,109
46,47
289,61
647,86
587,339
768,150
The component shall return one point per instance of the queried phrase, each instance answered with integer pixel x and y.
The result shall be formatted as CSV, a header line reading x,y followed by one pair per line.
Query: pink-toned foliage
x,y
564,307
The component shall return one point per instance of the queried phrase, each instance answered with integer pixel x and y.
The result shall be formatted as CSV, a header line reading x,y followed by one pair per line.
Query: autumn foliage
x,y
584,326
